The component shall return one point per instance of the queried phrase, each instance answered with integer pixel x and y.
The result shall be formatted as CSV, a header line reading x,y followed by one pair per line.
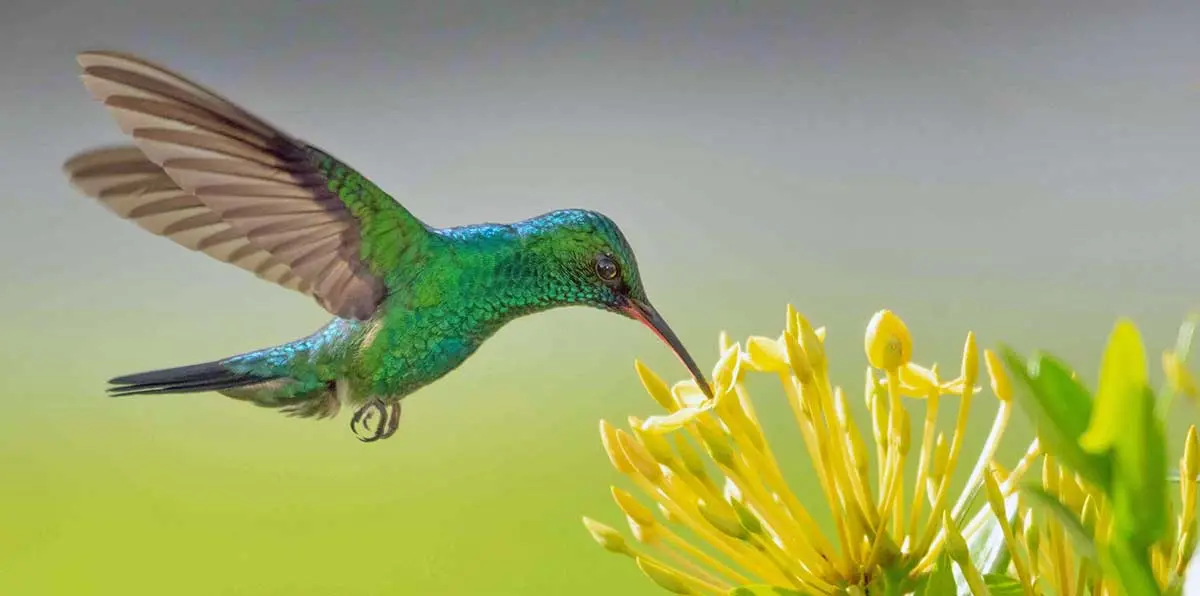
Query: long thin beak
x,y
645,313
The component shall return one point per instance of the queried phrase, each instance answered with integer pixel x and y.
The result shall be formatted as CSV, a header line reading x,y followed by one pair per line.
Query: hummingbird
x,y
410,302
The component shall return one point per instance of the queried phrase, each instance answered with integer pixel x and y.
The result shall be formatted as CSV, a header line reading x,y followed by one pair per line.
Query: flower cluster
x,y
747,526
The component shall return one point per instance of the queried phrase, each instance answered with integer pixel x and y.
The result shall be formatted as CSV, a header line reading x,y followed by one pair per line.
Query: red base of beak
x,y
649,317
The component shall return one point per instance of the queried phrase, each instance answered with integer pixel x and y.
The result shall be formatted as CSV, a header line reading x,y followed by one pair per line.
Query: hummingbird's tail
x,y
297,377
310,398
193,378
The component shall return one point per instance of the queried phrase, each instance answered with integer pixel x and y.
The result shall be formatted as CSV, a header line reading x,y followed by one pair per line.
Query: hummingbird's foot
x,y
388,420
360,424
393,420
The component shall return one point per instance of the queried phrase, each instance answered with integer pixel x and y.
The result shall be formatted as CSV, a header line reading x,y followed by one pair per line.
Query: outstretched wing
x,y
122,179
329,226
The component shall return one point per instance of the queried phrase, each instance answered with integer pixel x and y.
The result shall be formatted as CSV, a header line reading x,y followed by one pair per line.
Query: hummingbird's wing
x,y
125,181
330,226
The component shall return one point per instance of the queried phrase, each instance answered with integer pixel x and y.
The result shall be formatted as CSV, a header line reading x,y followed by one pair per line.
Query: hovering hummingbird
x,y
410,302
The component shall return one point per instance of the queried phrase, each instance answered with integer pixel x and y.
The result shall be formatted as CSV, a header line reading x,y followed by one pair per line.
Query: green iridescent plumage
x,y
411,302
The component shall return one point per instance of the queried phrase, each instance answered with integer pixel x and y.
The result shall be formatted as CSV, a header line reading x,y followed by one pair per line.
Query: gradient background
x,y
1026,171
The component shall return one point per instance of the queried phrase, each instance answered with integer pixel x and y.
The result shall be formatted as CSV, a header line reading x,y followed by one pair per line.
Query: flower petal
x,y
675,420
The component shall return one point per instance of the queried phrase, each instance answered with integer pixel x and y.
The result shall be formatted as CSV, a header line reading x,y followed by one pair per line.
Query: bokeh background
x,y
1026,170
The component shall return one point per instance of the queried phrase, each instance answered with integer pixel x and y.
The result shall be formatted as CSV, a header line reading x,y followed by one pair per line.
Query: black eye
x,y
606,268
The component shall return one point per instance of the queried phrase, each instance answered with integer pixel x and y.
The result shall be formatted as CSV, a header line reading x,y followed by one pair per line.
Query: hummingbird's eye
x,y
606,268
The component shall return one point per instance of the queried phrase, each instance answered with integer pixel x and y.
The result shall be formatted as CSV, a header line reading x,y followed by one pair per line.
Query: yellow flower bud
x,y
610,539
722,517
639,457
728,371
812,343
764,354
747,518
994,496
656,387
798,360
632,508
791,327
644,533
717,446
887,343
731,412
970,362
608,436
654,442
691,460
665,578
1001,384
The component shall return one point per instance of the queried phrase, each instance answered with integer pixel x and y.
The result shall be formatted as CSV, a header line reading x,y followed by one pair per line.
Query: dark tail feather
x,y
194,378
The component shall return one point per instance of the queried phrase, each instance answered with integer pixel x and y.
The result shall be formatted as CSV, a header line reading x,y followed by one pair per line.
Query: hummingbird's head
x,y
591,263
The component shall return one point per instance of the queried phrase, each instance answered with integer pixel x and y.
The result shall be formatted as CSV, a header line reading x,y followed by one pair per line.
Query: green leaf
x,y
918,585
941,580
878,585
1055,510
765,591
1059,408
1139,491
988,548
896,575
1132,567
999,584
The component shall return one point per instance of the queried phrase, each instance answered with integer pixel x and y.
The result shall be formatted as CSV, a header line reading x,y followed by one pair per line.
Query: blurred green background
x,y
1024,172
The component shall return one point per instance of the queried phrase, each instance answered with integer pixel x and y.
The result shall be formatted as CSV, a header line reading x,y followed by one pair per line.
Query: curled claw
x,y
388,421
362,420
393,421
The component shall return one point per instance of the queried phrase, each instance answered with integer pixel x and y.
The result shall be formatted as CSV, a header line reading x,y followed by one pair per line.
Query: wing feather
x,y
218,179
124,181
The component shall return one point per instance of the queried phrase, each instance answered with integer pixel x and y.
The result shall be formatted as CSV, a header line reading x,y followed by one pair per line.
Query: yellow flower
x,y
748,525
